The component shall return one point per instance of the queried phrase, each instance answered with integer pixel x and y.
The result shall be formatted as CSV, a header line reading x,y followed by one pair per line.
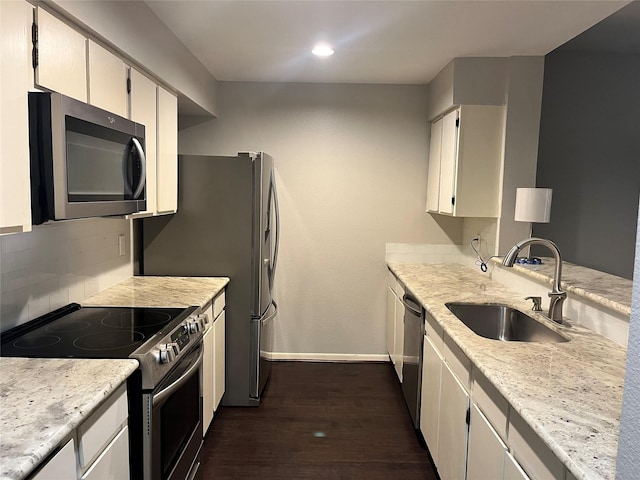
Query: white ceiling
x,y
393,41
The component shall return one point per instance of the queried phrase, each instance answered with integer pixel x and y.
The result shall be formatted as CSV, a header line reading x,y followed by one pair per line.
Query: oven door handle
x,y
163,394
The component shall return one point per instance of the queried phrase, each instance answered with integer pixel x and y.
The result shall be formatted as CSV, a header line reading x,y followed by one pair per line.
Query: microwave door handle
x,y
143,168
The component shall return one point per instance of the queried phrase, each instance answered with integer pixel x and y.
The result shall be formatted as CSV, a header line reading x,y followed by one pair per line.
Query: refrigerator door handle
x,y
274,261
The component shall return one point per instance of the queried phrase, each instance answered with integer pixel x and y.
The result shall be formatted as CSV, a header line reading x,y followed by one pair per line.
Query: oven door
x,y
173,422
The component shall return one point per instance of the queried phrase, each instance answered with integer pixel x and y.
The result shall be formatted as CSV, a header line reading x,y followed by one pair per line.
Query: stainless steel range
x,y
165,404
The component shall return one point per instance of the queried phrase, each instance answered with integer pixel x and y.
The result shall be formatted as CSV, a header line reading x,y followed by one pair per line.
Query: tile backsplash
x,y
60,263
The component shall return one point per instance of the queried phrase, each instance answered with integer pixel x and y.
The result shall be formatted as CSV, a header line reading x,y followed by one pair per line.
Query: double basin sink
x,y
501,322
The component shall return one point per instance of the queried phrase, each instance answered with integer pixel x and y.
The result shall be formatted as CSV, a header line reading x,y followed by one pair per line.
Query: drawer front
x,y
61,467
218,304
493,405
391,281
434,332
113,463
531,452
458,362
95,433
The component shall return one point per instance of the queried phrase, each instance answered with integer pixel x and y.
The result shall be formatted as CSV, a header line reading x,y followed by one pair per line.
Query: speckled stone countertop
x,y
569,393
159,292
43,400
601,288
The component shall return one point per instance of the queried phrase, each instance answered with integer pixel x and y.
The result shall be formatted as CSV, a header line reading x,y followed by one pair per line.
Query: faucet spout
x,y
556,295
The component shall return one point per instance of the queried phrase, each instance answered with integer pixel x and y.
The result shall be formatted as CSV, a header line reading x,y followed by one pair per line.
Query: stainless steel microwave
x,y
85,161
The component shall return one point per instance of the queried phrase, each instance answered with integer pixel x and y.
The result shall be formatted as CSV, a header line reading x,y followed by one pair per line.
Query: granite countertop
x,y
569,393
601,288
43,400
159,292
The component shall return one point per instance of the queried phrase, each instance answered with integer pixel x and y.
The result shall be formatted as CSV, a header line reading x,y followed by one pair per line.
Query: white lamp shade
x,y
533,205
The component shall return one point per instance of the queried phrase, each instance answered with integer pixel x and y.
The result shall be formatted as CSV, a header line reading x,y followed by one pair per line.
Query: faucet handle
x,y
537,303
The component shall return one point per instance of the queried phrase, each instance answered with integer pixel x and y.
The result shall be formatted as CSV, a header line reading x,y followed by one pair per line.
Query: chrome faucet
x,y
556,295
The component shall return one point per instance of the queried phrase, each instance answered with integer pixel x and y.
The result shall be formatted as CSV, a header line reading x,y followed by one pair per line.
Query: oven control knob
x,y
194,326
167,355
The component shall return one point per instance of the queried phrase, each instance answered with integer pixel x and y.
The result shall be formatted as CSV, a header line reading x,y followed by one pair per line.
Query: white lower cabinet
x,y
213,371
62,466
399,331
219,332
102,446
207,379
391,324
452,428
486,451
430,406
103,440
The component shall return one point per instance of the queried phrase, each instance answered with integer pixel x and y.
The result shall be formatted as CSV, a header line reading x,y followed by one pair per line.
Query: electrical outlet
x,y
121,245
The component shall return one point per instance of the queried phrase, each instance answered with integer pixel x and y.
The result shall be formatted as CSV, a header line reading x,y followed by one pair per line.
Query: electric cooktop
x,y
88,332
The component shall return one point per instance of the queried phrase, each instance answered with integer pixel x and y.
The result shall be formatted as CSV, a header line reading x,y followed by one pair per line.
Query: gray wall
x,y
351,165
629,443
589,153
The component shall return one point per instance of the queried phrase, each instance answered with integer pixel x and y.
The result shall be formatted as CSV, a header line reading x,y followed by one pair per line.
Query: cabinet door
x,y
167,152
430,403
219,362
208,379
433,178
62,466
448,162
391,312
107,80
453,428
143,99
479,161
485,458
15,71
62,57
399,334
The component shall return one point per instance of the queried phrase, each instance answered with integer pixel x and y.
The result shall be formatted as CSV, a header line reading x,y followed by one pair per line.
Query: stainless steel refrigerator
x,y
227,224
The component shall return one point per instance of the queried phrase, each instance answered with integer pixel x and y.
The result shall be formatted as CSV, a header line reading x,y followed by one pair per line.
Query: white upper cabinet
x,y
143,98
62,57
433,175
167,152
15,71
465,162
107,80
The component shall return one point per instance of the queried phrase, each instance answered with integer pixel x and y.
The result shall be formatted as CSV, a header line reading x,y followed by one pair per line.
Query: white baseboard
x,y
330,357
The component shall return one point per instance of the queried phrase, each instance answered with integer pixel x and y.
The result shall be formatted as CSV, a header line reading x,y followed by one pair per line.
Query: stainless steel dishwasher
x,y
412,353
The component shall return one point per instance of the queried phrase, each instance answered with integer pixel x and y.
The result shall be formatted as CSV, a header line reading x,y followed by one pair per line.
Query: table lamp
x,y
533,205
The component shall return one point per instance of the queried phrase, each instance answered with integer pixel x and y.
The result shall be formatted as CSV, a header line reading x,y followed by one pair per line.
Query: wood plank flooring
x,y
319,421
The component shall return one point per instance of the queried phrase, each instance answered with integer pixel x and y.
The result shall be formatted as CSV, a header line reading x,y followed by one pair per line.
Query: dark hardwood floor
x,y
319,421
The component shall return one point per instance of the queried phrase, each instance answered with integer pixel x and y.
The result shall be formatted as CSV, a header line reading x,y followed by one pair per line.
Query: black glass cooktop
x,y
87,332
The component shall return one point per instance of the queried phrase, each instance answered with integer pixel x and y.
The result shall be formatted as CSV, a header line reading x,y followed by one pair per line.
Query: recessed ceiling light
x,y
322,50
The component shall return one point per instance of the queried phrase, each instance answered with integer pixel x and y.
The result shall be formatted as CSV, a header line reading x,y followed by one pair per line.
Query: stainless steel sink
x,y
501,322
